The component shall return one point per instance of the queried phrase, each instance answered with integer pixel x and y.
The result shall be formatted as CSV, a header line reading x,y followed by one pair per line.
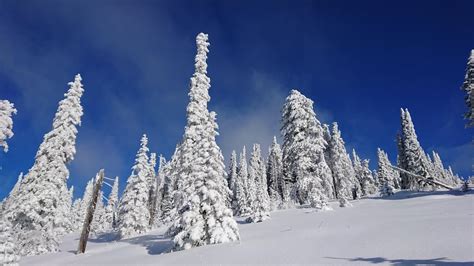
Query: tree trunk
x,y
90,213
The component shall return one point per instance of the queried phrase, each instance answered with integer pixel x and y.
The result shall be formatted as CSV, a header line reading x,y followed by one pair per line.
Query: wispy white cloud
x,y
258,118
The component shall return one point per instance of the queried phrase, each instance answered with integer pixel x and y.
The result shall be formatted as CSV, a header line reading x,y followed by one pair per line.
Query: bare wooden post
x,y
90,213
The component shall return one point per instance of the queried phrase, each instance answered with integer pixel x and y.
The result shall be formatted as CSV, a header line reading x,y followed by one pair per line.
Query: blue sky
x,y
360,61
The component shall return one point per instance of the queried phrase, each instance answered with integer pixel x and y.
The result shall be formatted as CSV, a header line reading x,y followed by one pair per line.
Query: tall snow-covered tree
x,y
42,217
345,181
152,187
134,214
233,177
84,205
112,205
368,184
401,157
385,173
468,87
357,166
8,249
242,201
99,223
260,200
11,199
204,217
158,197
304,164
76,215
168,205
414,157
7,110
276,183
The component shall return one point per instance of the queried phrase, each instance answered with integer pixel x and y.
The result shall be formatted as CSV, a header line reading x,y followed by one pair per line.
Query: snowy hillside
x,y
407,228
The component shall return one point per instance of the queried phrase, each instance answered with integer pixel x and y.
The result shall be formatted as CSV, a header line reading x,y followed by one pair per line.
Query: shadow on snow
x,y
377,260
405,194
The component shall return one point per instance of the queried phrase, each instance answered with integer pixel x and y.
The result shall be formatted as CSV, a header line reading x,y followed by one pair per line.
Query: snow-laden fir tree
x,y
368,185
327,152
11,199
84,205
386,189
99,222
401,163
42,216
152,187
276,183
438,169
112,205
7,110
357,166
134,214
204,217
385,173
441,173
414,157
346,184
76,215
69,226
242,201
468,87
155,218
167,205
260,201
8,250
233,177
456,180
304,164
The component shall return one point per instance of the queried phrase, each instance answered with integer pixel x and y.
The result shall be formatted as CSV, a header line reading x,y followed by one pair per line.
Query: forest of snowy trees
x,y
193,192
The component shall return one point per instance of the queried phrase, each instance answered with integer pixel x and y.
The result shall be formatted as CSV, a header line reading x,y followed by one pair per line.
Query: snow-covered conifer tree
x,y
77,218
304,164
168,205
385,173
275,174
158,197
414,157
8,250
357,165
11,199
233,177
241,187
386,189
257,177
468,87
152,187
86,199
345,182
368,181
204,217
134,214
99,223
112,205
42,217
7,110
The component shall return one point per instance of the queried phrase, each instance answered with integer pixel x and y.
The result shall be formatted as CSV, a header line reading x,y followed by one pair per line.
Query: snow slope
x,y
408,228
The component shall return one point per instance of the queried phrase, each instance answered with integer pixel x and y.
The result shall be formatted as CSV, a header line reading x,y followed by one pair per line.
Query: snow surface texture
x,y
407,228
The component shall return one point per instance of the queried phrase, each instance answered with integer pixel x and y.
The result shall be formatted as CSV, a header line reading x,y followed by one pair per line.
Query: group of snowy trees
x,y
412,158
192,193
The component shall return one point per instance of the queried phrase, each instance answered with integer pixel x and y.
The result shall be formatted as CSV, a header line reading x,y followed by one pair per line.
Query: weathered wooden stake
x,y
90,212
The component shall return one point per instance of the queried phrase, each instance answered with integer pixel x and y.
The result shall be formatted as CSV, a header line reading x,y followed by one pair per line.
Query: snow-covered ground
x,y
408,228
